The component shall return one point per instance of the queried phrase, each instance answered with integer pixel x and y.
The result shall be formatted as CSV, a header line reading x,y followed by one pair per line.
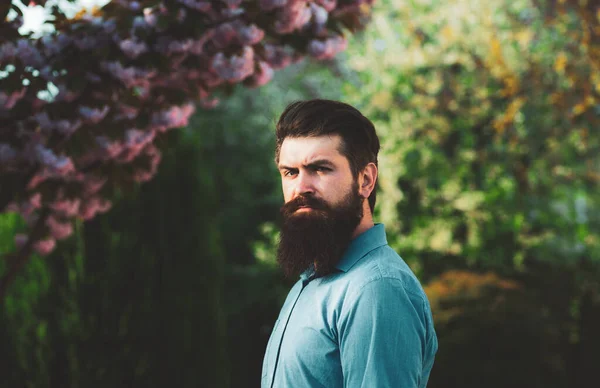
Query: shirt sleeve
x,y
382,335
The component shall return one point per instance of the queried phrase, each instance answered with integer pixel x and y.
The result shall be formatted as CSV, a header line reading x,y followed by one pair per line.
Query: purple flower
x,y
7,52
250,35
93,115
328,48
268,5
87,42
136,138
66,127
29,55
131,47
198,5
20,240
130,76
150,17
235,68
276,56
319,14
7,153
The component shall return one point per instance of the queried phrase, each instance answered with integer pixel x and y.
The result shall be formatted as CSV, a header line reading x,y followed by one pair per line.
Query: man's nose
x,y
304,184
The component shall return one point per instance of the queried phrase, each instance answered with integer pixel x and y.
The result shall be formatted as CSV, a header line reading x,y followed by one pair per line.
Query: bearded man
x,y
358,316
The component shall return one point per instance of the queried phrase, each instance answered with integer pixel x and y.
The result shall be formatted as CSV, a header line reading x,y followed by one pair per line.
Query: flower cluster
x,y
80,108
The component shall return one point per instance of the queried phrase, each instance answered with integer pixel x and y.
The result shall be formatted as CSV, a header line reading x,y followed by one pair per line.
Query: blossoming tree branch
x,y
81,107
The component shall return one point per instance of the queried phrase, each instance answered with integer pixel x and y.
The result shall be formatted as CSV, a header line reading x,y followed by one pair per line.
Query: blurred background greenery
x,y
489,117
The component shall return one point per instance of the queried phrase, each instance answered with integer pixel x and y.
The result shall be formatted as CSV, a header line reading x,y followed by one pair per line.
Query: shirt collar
x,y
361,245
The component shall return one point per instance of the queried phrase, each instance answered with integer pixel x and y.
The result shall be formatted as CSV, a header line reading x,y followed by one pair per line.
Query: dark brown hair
x,y
312,118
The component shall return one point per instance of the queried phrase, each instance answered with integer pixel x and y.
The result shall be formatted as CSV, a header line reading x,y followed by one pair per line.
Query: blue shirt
x,y
368,325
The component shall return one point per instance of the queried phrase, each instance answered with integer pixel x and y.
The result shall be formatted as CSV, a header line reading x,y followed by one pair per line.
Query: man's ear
x,y
366,180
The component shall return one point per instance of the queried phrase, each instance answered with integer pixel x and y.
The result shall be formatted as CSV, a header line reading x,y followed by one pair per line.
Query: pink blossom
x,y
8,101
263,75
224,35
66,207
209,103
44,247
293,17
59,229
109,148
93,183
64,127
328,5
91,206
175,116
138,138
36,200
59,164
125,111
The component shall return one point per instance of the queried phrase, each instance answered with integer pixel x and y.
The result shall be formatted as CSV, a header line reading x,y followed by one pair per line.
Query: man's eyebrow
x,y
320,162
315,163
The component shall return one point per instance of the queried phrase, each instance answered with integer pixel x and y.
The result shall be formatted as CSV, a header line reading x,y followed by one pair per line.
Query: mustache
x,y
303,201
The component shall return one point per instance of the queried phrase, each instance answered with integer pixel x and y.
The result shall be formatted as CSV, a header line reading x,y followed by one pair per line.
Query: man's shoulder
x,y
382,266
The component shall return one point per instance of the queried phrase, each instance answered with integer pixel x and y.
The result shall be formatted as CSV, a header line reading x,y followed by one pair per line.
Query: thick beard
x,y
318,237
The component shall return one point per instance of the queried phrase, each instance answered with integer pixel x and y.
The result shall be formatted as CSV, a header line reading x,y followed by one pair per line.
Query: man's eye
x,y
322,169
289,173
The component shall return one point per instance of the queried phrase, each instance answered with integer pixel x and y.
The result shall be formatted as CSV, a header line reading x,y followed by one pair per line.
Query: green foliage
x,y
488,116
489,154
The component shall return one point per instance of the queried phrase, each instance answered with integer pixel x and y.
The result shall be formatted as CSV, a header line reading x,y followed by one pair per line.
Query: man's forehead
x,y
310,147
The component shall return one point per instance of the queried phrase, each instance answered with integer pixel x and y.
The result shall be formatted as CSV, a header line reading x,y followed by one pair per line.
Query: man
x,y
358,316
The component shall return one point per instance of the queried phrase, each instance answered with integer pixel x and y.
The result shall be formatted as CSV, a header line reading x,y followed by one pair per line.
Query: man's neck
x,y
366,222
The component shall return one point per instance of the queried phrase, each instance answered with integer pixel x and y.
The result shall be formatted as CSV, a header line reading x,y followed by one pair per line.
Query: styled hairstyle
x,y
318,117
